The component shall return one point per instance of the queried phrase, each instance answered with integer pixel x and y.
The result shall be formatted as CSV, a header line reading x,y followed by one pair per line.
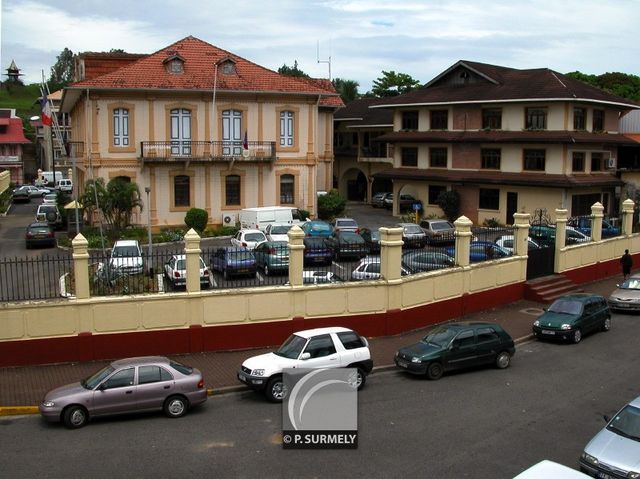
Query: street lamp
x,y
147,190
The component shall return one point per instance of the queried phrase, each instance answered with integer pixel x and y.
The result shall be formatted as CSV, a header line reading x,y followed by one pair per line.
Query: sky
x,y
361,38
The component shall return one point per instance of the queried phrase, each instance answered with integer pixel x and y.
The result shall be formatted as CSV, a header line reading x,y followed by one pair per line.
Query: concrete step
x,y
548,289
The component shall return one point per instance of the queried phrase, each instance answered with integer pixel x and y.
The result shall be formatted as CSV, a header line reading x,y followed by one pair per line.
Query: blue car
x,y
583,224
317,251
482,251
317,228
233,261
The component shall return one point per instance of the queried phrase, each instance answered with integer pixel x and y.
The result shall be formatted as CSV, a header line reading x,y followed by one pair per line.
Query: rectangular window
x,y
490,158
287,189
598,120
597,163
438,157
120,127
181,190
536,119
577,161
579,119
286,128
534,160
492,118
409,120
489,199
409,157
439,119
434,192
232,190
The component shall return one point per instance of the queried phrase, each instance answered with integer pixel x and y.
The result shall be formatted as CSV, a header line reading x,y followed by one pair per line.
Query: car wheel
x,y
361,378
75,417
266,270
276,390
606,326
577,336
503,360
175,406
435,371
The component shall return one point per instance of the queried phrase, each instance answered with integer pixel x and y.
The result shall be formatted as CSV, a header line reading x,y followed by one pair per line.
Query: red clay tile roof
x,y
506,84
149,73
635,137
101,63
477,177
497,136
13,133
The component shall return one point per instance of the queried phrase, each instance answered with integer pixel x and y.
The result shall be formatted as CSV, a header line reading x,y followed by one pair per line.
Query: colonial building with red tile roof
x,y
202,127
507,141
11,140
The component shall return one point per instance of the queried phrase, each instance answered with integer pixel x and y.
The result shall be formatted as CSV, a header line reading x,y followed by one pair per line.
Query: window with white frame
x,y
120,127
286,128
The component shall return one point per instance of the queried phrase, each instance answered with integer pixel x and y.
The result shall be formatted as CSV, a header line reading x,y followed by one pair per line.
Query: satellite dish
x,y
34,118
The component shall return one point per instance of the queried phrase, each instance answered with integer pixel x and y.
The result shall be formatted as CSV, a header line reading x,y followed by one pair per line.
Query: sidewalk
x,y
26,386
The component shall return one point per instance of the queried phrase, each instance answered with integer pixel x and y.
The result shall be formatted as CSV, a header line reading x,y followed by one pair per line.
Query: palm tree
x,y
348,89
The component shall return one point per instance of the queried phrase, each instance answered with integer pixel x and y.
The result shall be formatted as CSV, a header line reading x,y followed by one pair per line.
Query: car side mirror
x,y
102,387
305,356
453,347
606,418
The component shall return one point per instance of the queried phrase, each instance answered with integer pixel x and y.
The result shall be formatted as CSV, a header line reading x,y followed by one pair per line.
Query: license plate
x,y
403,364
544,331
242,377
245,270
623,305
603,475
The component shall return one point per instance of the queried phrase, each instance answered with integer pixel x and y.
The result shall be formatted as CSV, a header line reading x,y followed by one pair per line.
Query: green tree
x,y
117,50
62,71
197,219
393,84
449,203
331,205
348,89
93,197
293,71
621,84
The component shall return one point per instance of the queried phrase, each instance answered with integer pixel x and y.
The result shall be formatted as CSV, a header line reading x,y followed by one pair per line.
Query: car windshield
x,y
350,237
320,226
564,306
125,252
254,237
413,229
626,423
292,347
92,381
631,283
441,226
240,255
181,368
439,336
47,208
280,230
344,223
181,264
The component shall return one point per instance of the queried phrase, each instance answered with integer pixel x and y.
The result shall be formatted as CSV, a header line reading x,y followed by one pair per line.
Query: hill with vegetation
x,y
24,98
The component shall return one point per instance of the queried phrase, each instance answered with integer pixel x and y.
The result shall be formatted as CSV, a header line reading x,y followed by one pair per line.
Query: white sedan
x,y
247,238
277,231
37,191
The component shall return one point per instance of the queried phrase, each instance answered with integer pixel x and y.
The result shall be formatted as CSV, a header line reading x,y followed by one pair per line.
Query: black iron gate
x,y
541,261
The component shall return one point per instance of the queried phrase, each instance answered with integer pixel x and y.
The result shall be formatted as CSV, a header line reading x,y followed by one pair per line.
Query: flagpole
x,y
44,89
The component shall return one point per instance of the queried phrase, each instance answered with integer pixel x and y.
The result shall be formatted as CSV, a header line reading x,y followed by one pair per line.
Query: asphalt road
x,y
485,423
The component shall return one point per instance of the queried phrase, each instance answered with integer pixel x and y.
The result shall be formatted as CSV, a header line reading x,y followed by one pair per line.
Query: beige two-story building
x,y
202,127
507,141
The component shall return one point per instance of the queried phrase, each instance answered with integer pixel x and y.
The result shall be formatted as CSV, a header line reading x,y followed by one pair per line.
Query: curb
x,y
18,410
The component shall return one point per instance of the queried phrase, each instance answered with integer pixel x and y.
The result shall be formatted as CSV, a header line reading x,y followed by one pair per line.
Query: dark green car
x,y
571,316
457,346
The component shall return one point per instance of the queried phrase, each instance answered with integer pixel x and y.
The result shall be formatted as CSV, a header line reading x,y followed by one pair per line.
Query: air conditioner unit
x,y
229,219
611,163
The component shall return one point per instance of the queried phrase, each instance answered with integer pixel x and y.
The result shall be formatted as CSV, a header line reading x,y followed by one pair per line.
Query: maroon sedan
x,y
125,386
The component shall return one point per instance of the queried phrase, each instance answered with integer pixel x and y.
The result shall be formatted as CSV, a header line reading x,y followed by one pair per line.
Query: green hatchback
x,y
457,346
570,317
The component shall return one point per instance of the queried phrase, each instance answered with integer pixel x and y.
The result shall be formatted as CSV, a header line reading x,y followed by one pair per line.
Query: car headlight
x,y
633,475
565,326
48,403
397,354
416,360
536,323
589,458
258,372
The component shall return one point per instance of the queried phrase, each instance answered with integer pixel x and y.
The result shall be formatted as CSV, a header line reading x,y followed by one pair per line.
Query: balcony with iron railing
x,y
207,151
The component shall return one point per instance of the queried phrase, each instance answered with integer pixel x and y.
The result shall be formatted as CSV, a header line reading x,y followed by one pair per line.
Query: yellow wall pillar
x,y
562,216
192,251
296,255
521,234
628,207
596,221
81,266
463,240
391,253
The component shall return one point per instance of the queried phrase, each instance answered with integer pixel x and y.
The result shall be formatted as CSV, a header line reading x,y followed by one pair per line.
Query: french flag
x,y
46,111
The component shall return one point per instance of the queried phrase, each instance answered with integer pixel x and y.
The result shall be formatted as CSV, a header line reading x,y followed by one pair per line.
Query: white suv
x,y
321,348
126,257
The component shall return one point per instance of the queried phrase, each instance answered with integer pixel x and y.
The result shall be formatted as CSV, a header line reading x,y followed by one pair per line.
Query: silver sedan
x,y
626,297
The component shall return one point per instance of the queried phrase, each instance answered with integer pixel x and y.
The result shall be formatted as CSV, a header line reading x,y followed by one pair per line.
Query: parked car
x,y
583,224
21,195
371,240
272,256
482,251
50,199
175,270
377,201
412,235
311,349
50,214
317,251
571,316
626,296
422,260
65,185
345,224
277,232
126,257
507,242
317,228
438,231
369,268
550,470
35,191
131,385
406,202
248,238
546,235
39,233
615,451
347,244
319,277
455,346
233,261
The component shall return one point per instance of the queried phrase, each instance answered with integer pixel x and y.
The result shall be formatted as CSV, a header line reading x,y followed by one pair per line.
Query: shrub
x,y
304,214
220,231
170,235
331,205
449,202
492,223
197,219
135,232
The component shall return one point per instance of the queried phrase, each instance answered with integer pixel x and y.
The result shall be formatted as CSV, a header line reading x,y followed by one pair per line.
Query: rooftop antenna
x,y
328,62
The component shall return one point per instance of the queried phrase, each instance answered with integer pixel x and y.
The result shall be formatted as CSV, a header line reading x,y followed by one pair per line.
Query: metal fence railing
x,y
37,278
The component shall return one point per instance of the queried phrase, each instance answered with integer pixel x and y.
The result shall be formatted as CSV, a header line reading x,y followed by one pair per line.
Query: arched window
x,y
232,190
287,189
181,190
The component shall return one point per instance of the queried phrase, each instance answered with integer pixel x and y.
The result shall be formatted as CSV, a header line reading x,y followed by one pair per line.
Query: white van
x,y
65,185
259,218
46,178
